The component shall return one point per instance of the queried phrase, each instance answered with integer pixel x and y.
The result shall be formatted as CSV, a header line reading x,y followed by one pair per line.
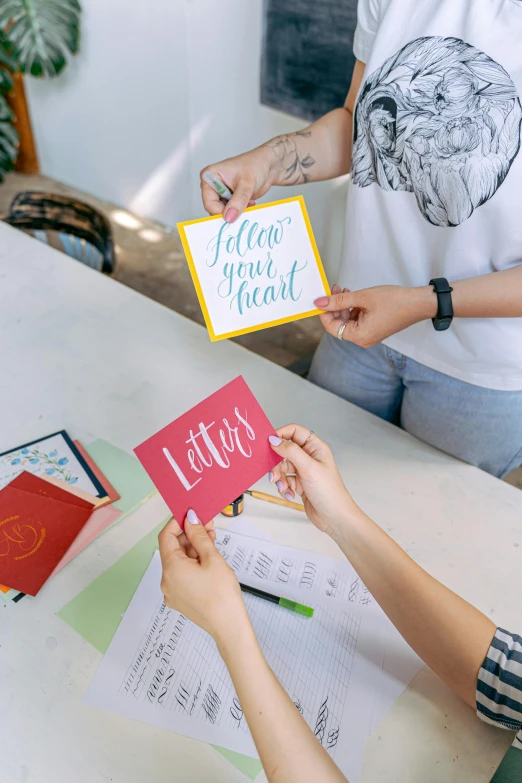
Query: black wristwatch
x,y
444,317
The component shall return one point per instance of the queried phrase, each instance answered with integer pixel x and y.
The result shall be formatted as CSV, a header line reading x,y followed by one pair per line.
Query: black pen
x,y
284,602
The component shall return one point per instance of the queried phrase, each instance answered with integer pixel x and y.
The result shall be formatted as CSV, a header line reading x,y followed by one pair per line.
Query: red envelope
x,y
208,457
37,485
38,523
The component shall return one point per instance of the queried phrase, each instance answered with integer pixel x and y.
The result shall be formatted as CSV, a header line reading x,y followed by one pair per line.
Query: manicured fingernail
x,y
251,203
321,302
336,289
192,517
274,440
288,496
231,215
270,477
279,485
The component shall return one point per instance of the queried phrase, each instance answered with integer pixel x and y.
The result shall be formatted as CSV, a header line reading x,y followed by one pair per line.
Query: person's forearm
x,y
495,295
287,747
320,151
449,634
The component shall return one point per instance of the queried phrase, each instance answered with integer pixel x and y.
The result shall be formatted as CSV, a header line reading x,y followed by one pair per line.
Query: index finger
x,y
336,302
306,439
168,540
295,433
211,200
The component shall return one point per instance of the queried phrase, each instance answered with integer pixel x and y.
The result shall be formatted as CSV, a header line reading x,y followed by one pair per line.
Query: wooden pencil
x,y
274,499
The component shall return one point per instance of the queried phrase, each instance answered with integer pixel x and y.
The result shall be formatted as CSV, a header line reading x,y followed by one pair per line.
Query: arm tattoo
x,y
293,166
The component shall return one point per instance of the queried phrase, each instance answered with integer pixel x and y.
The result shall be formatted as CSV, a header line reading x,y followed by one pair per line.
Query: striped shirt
x,y
499,685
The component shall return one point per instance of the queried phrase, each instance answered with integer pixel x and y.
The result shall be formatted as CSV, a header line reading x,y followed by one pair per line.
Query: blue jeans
x,y
480,426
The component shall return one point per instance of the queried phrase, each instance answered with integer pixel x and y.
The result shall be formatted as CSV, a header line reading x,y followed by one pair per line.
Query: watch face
x,y
441,324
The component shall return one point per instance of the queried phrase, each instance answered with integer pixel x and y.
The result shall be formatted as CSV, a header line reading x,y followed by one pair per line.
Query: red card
x,y
35,484
38,523
208,457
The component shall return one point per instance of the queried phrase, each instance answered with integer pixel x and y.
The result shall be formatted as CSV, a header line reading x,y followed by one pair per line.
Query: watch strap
x,y
444,317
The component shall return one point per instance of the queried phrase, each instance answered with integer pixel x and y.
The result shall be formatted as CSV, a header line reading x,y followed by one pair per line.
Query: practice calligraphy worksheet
x,y
337,580
293,573
163,670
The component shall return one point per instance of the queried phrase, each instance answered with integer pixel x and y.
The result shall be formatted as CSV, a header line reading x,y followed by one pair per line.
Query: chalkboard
x,y
307,58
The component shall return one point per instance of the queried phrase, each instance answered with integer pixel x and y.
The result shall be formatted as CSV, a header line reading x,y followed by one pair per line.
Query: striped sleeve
x,y
499,684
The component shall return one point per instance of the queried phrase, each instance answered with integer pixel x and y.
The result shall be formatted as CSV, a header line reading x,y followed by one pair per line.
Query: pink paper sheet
x,y
99,521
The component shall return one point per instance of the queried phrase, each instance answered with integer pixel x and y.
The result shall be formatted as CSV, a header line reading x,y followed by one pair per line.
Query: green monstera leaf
x,y
8,65
8,135
8,138
41,32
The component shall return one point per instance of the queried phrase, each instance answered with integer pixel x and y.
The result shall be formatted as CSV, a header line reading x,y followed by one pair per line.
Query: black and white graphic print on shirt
x,y
442,120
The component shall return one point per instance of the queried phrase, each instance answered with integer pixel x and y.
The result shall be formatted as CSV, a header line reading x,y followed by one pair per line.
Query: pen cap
x,y
295,607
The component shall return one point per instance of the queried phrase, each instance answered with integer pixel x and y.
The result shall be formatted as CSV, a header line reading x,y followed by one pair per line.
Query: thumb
x,y
198,536
240,199
289,450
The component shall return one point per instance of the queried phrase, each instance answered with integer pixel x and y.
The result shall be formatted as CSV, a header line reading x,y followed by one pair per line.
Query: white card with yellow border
x,y
262,270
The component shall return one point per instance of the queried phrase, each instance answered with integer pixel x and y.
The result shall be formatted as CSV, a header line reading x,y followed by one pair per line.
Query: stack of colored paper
x,y
110,481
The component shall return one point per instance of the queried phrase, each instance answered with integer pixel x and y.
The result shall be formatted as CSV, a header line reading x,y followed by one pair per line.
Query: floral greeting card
x,y
262,270
55,456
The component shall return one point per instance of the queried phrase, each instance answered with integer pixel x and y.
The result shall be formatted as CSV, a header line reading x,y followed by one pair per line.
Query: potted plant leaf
x,y
36,38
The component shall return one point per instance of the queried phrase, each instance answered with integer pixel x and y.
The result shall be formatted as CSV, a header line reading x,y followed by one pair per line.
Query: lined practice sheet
x,y
291,572
400,662
163,670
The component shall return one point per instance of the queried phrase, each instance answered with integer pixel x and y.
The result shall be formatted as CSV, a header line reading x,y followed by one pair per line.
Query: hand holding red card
x,y
208,457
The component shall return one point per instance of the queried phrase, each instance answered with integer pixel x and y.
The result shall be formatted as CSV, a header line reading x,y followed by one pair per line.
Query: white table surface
x,y
82,352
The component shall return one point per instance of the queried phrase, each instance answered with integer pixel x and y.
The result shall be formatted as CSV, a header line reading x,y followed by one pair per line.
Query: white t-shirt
x,y
436,187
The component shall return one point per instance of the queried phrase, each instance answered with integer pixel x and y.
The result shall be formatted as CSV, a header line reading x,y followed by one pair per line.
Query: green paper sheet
x,y
125,473
510,769
96,612
247,765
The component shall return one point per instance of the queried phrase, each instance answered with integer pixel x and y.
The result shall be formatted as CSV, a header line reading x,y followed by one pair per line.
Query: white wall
x,y
121,108
159,90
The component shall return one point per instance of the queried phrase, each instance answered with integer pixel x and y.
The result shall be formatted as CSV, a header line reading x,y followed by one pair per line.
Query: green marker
x,y
215,183
284,602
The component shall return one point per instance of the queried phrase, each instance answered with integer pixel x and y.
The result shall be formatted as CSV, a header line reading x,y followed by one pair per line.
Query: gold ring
x,y
308,438
340,330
